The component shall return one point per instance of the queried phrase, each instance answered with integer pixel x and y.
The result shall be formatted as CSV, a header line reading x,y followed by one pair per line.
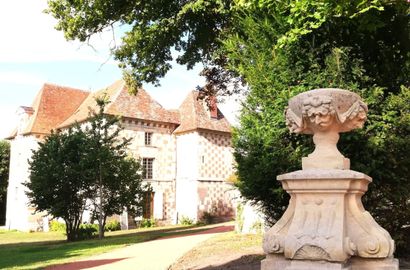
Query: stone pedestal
x,y
326,221
278,262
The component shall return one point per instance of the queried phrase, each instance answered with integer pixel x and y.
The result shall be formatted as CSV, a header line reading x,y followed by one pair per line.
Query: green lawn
x,y
20,250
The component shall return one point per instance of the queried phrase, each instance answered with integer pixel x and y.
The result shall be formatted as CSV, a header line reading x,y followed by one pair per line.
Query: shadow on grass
x,y
247,262
40,254
83,264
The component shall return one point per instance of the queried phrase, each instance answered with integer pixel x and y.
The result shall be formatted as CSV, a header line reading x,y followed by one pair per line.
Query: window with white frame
x,y
147,164
148,138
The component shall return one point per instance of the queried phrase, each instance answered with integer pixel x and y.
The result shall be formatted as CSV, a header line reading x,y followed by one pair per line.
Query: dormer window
x,y
148,138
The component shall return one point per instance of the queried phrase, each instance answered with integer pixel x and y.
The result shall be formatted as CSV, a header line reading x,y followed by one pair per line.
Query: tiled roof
x,y
59,107
140,106
83,111
52,106
194,114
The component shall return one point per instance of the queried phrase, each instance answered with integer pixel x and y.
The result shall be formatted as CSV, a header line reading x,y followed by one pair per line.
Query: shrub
x,y
239,217
186,221
147,223
112,226
87,231
207,218
56,226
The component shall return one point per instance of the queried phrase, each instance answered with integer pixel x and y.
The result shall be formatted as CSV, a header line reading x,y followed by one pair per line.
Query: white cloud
x,y
8,120
21,78
28,35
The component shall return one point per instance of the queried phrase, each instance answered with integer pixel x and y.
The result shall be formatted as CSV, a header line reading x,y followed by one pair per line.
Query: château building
x,y
186,152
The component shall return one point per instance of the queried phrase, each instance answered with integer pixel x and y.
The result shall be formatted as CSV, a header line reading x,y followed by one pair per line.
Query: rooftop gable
x,y
140,106
195,114
122,103
52,105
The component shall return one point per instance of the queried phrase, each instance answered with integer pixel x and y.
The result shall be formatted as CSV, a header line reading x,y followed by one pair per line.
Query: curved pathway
x,y
152,255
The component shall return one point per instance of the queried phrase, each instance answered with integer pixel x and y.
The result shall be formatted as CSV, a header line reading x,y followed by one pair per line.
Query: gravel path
x,y
152,255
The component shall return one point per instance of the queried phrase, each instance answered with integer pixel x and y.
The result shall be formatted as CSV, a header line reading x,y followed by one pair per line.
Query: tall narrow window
x,y
148,138
147,164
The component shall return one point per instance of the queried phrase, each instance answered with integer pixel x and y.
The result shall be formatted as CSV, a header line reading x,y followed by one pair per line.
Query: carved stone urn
x,y
325,225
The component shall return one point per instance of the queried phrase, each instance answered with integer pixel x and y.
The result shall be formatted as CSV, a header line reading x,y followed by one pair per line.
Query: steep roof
x,y
194,114
141,106
82,112
58,107
52,105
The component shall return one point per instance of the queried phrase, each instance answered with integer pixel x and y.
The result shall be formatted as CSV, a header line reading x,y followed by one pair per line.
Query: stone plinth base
x,y
278,262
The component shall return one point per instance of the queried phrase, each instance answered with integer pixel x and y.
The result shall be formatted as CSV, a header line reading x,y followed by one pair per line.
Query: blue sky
x,y
32,52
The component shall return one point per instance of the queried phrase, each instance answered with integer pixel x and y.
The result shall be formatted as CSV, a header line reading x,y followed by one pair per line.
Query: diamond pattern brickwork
x,y
217,199
216,156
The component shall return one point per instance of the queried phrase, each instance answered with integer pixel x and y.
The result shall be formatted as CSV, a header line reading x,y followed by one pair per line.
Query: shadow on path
x,y
246,262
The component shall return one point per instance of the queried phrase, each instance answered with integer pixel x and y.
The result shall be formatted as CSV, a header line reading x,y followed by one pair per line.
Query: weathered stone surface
x,y
278,262
326,220
325,113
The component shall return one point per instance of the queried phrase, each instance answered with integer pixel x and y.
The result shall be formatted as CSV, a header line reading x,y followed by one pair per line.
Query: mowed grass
x,y
19,250
221,249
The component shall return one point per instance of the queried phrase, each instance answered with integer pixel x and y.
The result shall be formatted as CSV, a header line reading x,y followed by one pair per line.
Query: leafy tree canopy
x,y
4,167
4,177
59,178
192,28
363,49
117,179
195,28
86,168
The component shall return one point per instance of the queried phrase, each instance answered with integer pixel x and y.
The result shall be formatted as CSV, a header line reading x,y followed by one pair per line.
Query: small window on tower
x,y
148,138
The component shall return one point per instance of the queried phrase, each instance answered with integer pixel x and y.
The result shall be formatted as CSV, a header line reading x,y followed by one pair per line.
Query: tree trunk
x,y
100,212
71,234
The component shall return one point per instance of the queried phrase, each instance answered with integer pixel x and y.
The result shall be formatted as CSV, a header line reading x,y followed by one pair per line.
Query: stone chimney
x,y
213,107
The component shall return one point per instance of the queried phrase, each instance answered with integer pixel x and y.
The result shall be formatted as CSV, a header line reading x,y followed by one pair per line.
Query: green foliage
x,y
59,182
56,226
186,220
116,177
239,219
147,223
155,28
4,178
112,226
87,231
283,48
82,165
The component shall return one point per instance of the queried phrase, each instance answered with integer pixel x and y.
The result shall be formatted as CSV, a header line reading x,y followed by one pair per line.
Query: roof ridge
x,y
151,98
196,109
35,105
115,95
64,86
